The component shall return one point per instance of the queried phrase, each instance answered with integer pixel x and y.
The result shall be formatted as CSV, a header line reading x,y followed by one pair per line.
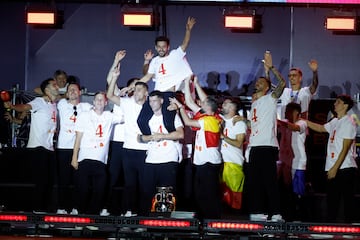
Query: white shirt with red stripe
x,y
170,70
229,152
43,124
96,131
68,119
340,129
263,122
163,151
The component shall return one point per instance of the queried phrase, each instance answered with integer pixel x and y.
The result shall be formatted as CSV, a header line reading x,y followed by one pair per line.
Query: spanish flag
x,y
211,128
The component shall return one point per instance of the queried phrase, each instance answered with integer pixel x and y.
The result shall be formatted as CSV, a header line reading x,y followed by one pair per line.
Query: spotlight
x,y
242,21
40,17
45,18
140,17
341,23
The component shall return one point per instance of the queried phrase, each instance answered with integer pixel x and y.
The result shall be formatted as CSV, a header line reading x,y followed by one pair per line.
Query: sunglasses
x,y
75,112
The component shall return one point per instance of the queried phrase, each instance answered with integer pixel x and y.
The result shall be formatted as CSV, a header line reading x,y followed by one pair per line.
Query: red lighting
x,y
164,223
341,23
20,218
334,229
40,17
67,219
239,21
234,225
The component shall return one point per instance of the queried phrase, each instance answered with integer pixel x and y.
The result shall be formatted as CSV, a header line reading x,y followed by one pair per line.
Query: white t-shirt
x,y
132,111
202,153
303,97
340,129
263,122
43,124
68,119
229,152
170,70
163,151
96,131
119,129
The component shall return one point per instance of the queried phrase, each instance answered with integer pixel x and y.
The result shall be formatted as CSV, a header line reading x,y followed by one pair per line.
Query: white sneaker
x,y
258,217
74,211
277,218
139,230
92,228
130,214
44,226
104,212
125,229
61,211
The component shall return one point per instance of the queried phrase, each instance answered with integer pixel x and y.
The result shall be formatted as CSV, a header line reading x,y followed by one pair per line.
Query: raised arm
x,y
202,95
281,81
112,84
189,25
188,98
313,64
118,56
148,55
186,119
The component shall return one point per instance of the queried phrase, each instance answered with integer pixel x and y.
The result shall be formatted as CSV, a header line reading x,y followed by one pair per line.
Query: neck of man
x,y
49,98
141,101
98,111
229,115
296,87
74,101
158,112
341,114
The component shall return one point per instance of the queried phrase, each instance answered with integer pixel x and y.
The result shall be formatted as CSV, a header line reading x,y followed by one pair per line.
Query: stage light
x,y
314,228
335,229
242,226
240,21
138,19
13,218
40,17
243,21
57,219
341,23
165,223
45,18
